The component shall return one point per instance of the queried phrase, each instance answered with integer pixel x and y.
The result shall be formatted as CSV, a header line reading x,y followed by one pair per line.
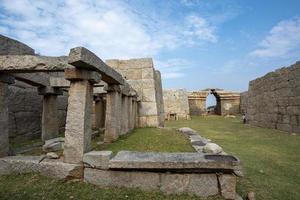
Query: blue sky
x,y
196,44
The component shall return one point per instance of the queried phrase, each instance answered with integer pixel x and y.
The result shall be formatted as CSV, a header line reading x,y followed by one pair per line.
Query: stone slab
x,y
36,164
227,184
30,63
141,180
169,161
81,57
97,159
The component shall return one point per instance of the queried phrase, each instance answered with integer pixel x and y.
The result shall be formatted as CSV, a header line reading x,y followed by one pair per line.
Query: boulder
x,y
55,144
52,155
212,148
186,130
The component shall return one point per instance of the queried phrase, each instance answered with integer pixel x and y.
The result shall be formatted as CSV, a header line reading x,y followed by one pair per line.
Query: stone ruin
x,y
184,104
228,102
68,86
142,76
80,91
176,104
273,101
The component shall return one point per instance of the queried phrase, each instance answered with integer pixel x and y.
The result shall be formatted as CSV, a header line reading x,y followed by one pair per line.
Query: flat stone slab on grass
x,y
97,159
36,164
149,161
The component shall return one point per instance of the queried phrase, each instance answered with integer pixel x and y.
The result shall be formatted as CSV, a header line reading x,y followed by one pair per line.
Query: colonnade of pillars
x,y
118,116
121,113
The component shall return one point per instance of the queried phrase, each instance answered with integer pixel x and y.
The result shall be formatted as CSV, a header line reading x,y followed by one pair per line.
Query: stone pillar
x,y
124,120
137,111
79,118
4,135
99,112
50,124
113,113
130,113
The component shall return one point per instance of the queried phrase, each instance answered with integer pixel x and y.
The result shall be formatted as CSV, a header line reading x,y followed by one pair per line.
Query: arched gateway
x,y
227,102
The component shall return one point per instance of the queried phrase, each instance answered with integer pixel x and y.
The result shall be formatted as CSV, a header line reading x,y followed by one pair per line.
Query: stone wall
x,y
176,102
244,102
25,111
197,102
141,75
274,100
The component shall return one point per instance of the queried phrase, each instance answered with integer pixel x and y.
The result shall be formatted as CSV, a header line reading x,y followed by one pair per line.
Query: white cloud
x,y
172,68
109,28
283,39
197,27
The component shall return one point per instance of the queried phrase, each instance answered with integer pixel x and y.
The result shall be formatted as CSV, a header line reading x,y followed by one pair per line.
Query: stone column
x,y
50,124
125,116
134,112
113,113
4,134
99,112
79,118
130,113
137,111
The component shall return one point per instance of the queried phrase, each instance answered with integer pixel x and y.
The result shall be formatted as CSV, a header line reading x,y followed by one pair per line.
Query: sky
x,y
196,44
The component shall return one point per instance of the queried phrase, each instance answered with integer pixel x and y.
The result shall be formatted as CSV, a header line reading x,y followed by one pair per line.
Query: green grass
x,y
31,187
274,152
150,139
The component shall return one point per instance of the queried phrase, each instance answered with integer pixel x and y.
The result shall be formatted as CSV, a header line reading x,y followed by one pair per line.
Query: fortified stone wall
x,y
244,102
274,100
176,102
141,75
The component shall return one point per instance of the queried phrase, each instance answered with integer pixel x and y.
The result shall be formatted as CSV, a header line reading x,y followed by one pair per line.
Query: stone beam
x,y
81,57
33,79
61,82
32,63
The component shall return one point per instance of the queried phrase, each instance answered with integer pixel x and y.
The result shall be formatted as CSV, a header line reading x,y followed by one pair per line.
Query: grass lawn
x,y
270,158
150,139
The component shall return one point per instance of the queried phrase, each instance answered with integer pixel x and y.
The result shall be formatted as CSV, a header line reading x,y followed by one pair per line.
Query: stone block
x,y
202,185
97,159
35,164
148,95
141,180
148,109
227,185
147,73
81,57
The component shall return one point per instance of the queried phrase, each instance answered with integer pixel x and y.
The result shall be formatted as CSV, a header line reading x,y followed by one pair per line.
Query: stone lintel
x,y
81,57
59,82
113,88
81,74
32,63
99,90
6,78
49,91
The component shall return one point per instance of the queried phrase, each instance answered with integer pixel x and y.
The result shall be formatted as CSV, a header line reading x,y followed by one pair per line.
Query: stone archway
x,y
227,102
